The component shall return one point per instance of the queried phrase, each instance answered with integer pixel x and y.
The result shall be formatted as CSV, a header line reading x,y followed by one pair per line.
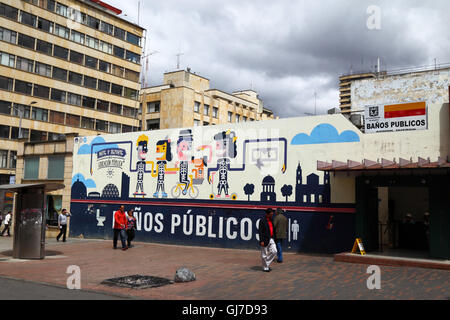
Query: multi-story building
x,y
185,99
66,66
345,90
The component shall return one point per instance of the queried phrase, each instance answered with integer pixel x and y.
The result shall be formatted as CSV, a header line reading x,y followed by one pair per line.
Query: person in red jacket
x,y
120,225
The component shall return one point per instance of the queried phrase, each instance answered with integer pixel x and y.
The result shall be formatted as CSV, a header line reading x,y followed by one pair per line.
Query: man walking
x,y
120,224
62,225
7,223
280,222
266,240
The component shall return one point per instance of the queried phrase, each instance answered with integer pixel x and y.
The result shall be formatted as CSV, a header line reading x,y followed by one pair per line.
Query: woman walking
x,y
131,228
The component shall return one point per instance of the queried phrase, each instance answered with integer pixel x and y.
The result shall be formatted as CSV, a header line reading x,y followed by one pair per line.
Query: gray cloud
x,y
287,50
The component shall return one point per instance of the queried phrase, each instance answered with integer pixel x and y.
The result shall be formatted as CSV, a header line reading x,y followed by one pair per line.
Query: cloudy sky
x,y
288,50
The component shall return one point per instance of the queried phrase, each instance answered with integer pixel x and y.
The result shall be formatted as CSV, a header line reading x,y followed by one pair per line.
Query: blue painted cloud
x,y
86,148
325,133
89,183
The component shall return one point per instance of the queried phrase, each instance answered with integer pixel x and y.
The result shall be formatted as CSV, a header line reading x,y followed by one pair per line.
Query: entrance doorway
x,y
403,221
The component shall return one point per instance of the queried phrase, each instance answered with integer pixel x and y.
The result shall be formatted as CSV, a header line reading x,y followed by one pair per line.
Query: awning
x,y
49,186
384,164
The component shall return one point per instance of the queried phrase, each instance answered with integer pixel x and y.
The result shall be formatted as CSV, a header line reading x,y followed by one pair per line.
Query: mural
x,y
222,178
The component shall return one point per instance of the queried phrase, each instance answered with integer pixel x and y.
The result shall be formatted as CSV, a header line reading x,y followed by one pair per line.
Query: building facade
x,y
186,99
65,66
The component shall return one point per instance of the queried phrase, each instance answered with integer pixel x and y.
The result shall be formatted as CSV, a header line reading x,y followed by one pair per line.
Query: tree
x,y
286,191
249,189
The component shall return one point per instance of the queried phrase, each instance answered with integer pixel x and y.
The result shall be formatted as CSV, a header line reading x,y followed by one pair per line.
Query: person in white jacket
x,y
7,224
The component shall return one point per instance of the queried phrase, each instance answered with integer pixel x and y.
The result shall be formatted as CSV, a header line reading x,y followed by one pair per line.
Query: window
x,y
44,47
104,85
58,95
134,39
153,124
132,75
72,120
41,91
45,25
39,114
126,128
196,123
59,74
12,159
43,69
62,10
101,125
90,82
130,93
129,112
114,127
215,112
8,35
73,98
5,107
26,110
93,22
106,27
196,106
28,19
90,62
4,132
230,116
92,42
37,135
89,102
77,16
6,83
106,47
77,37
238,118
55,167
22,133
57,117
3,158
75,78
50,5
8,11
153,106
119,33
62,31
119,52
205,123
133,57
102,105
117,71
23,87
87,123
104,66
76,57
60,52
24,64
7,59
245,119
115,108
26,41
116,89
206,110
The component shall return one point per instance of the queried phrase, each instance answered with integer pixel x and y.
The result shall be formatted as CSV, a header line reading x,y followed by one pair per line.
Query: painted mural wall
x,y
209,186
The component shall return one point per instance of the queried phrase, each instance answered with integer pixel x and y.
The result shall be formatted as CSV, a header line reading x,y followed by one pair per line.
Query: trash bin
x,y
29,219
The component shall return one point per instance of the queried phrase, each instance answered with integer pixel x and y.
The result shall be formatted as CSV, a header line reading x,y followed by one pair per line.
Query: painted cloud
x,y
325,133
86,148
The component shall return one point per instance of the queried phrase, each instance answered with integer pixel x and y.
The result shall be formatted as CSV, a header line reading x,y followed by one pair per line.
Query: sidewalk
x,y
221,273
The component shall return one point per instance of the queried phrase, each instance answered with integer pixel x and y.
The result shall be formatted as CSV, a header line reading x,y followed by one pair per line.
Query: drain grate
x,y
137,282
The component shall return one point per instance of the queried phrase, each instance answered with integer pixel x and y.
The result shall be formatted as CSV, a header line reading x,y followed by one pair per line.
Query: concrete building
x,y
345,90
186,99
65,66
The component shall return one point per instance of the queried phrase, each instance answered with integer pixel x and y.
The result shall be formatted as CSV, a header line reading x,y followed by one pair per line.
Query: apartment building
x,y
185,99
66,66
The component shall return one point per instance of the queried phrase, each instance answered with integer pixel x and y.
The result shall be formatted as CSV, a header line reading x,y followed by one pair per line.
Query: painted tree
x,y
249,189
286,191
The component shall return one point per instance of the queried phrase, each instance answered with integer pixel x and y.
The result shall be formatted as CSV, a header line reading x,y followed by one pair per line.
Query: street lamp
x,y
21,116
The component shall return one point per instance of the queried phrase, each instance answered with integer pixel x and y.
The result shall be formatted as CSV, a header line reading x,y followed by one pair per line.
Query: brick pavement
x,y
222,274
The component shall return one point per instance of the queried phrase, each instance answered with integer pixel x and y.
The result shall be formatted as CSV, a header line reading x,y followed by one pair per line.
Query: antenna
x,y
178,59
315,103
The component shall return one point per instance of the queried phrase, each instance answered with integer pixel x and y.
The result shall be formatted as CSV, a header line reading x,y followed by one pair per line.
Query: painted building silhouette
x,y
268,194
312,192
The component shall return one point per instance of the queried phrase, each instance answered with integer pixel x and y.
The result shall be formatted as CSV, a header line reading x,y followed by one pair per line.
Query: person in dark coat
x,y
281,223
266,240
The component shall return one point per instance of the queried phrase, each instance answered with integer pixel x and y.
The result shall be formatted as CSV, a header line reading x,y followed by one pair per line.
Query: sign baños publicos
x,y
209,186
